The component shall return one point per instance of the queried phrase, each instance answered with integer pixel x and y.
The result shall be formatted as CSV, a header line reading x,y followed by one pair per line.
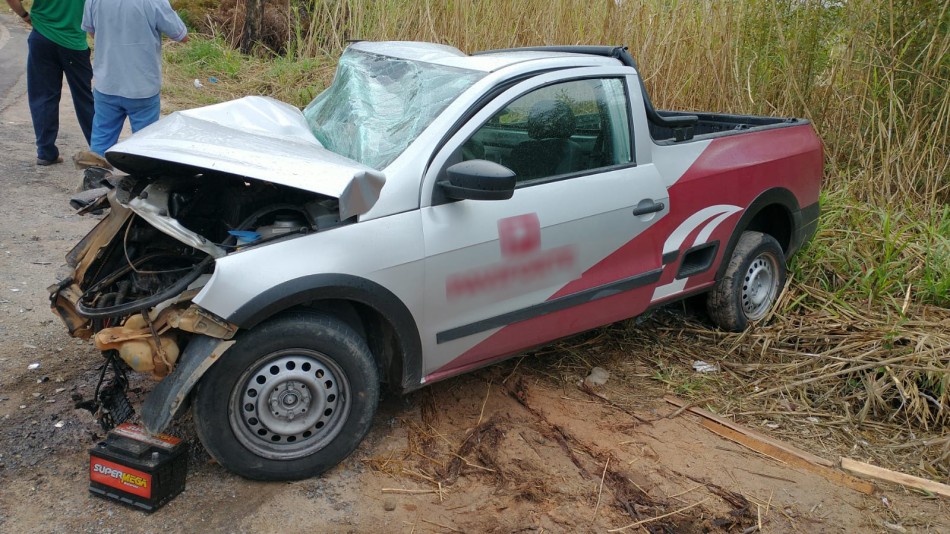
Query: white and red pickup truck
x,y
430,213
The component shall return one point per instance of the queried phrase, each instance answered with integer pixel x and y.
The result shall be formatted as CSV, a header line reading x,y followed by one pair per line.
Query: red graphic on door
x,y
519,235
524,266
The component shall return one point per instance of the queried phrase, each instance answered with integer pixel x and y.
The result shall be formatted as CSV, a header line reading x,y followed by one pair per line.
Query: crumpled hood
x,y
253,137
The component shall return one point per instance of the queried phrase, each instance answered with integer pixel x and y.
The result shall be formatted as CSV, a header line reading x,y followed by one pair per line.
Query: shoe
x,y
47,162
85,159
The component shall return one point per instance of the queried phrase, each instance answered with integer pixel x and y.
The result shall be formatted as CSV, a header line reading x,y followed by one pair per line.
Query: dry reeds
x,y
837,377
830,356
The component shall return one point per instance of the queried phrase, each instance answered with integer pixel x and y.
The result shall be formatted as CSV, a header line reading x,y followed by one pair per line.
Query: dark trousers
x,y
45,66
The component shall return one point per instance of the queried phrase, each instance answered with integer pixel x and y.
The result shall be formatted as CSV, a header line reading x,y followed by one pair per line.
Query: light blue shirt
x,y
128,44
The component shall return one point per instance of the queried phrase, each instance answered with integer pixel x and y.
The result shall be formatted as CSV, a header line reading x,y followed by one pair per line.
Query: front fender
x,y
317,287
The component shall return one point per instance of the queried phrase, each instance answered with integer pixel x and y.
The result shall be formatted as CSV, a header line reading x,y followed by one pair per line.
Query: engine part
x,y
148,302
140,346
283,224
114,405
244,237
198,321
109,405
153,206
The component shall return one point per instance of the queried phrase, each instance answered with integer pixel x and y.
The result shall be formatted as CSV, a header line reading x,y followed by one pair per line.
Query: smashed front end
x,y
182,206
135,274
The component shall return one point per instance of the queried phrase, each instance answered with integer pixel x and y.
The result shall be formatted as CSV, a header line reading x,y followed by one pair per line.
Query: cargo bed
x,y
711,125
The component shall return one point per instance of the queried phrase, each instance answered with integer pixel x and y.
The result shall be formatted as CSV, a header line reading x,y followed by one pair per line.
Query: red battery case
x,y
138,469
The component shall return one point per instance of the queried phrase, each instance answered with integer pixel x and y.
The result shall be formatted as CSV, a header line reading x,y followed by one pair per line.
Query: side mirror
x,y
478,179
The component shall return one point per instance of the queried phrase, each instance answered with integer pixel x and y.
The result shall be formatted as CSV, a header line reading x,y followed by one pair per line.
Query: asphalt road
x,y
12,59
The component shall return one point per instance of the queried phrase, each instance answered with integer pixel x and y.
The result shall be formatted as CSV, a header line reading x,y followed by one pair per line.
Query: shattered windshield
x,y
377,105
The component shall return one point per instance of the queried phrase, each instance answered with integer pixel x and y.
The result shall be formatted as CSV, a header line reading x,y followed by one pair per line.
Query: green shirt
x,y
59,21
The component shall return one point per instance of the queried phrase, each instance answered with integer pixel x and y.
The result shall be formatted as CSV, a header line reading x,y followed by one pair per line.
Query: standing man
x,y
128,64
57,46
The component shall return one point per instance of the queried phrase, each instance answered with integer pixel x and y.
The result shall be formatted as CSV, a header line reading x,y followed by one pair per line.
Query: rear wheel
x,y
751,284
291,399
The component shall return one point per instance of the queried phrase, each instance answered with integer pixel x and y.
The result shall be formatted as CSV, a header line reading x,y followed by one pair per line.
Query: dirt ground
x,y
518,447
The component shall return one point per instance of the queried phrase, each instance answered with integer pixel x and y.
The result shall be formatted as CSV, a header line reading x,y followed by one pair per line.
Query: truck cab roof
x,y
488,61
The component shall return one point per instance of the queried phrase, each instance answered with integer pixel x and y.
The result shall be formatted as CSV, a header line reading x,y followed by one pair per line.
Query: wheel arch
x,y
374,311
774,212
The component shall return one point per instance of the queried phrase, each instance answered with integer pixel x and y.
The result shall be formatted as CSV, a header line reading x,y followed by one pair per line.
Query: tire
x,y
291,399
751,284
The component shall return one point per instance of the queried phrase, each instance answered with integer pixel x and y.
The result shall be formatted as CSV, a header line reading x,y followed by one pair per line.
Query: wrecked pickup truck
x,y
430,213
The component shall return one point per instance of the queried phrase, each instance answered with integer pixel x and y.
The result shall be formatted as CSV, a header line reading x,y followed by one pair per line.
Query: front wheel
x,y
291,399
751,284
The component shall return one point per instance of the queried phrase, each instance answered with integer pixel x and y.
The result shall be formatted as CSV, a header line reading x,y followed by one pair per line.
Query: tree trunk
x,y
253,17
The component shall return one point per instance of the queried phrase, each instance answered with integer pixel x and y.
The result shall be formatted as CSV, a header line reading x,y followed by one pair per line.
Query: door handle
x,y
646,206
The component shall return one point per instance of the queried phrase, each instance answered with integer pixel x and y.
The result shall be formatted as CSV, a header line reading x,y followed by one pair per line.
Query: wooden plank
x,y
807,456
791,459
880,473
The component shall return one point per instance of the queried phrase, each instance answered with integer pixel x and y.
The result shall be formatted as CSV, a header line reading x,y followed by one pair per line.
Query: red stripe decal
x,y
732,170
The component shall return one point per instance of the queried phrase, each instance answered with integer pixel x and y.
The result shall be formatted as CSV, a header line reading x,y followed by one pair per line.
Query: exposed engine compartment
x,y
175,228
134,275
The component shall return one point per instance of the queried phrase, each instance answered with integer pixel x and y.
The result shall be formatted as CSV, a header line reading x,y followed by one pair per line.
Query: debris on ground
x,y
598,376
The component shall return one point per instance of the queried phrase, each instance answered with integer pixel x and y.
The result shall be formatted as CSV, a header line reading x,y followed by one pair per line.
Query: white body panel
x,y
387,251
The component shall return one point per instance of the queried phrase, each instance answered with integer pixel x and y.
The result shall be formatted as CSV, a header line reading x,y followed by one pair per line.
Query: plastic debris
x,y
895,527
60,424
704,367
34,365
212,80
198,84
598,376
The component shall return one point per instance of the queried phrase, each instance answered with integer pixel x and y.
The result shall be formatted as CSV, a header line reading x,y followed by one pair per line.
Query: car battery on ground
x,y
137,469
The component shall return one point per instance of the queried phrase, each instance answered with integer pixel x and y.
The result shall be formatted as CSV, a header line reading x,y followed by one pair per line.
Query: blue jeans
x,y
111,112
46,64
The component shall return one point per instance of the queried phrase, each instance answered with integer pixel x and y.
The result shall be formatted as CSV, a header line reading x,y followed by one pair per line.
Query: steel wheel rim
x,y
291,405
759,286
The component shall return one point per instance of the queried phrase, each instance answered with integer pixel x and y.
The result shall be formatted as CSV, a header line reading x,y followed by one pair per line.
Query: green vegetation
x,y
873,77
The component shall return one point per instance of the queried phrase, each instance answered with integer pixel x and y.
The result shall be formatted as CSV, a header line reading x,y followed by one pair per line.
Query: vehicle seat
x,y
550,151
473,149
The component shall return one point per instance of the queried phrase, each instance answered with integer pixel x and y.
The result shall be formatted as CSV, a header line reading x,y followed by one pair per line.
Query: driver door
x,y
559,257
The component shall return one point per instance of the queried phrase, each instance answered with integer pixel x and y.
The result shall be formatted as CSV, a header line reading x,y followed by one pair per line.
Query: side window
x,y
558,129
